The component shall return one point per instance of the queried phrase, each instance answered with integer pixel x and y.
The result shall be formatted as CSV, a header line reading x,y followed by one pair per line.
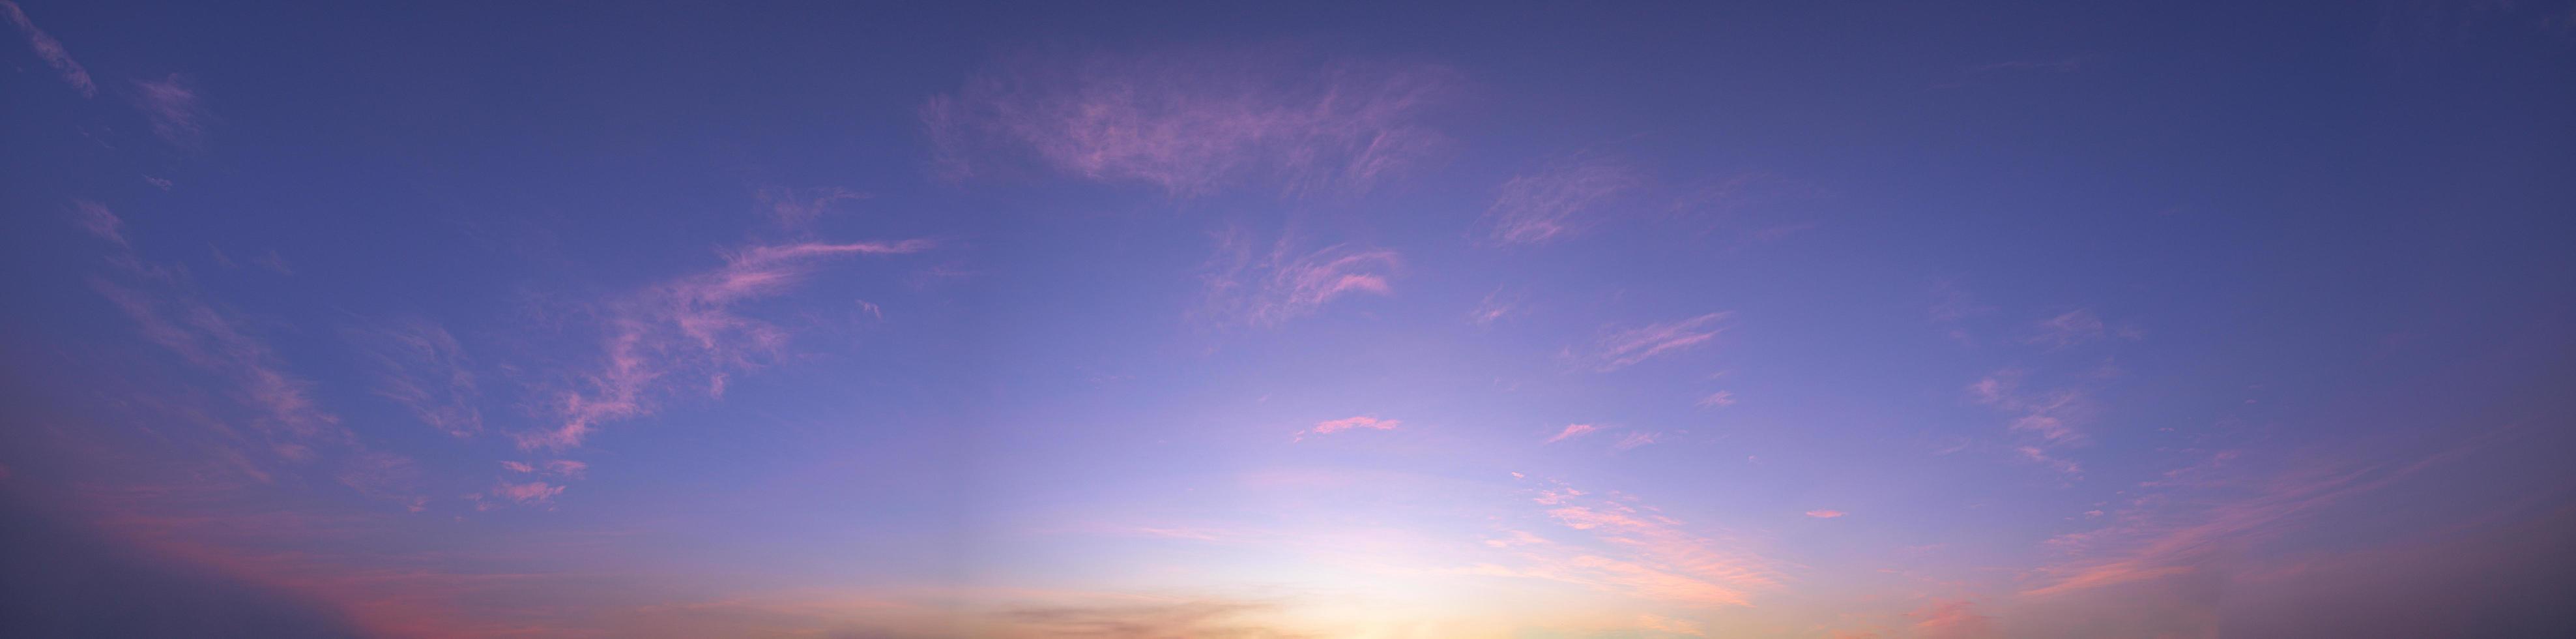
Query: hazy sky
x,y
1811,319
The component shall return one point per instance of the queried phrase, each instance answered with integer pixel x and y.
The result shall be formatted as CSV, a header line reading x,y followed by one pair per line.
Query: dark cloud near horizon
x,y
59,579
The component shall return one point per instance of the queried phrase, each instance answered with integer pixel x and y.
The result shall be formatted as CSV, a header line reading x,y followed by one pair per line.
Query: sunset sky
x,y
1799,319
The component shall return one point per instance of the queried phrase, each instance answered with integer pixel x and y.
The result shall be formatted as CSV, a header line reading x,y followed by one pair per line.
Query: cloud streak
x,y
1558,200
420,366
1628,347
688,330
2051,415
165,305
1269,288
1328,427
173,110
1192,122
51,50
797,208
1636,550
2196,516
1572,431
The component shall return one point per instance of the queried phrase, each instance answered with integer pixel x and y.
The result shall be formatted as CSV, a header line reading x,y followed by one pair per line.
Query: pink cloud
x,y
796,208
1664,624
1328,427
528,494
387,590
1635,439
687,329
2199,515
1494,307
558,468
1628,347
1631,548
1824,514
172,108
274,262
567,468
420,366
51,50
1517,538
1720,399
384,476
2058,464
1951,619
1572,431
2074,327
2051,415
1558,200
170,313
1750,207
1284,283
101,222
1191,122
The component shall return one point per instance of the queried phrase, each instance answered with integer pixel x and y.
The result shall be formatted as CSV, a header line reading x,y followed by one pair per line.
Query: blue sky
x,y
1861,320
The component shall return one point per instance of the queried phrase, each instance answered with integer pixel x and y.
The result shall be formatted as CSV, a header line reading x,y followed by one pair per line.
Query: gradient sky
x,y
1805,320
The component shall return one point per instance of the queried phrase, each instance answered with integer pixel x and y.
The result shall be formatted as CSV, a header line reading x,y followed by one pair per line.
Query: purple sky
x,y
1692,320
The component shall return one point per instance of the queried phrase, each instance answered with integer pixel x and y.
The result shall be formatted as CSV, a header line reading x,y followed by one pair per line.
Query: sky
x,y
1864,319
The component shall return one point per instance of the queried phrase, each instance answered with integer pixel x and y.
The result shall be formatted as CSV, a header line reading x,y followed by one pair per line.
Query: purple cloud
x,y
51,50
1628,347
1192,122
688,329
1271,287
1560,199
172,108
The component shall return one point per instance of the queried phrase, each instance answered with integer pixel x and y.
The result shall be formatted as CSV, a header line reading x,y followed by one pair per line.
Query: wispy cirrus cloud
x,y
383,475
1756,207
1659,623
166,305
1559,199
796,208
173,110
1572,431
1952,307
383,588
1625,348
2042,457
1192,121
535,493
1331,426
2050,415
1951,619
51,50
1618,545
1635,439
1720,399
1824,514
2073,327
99,221
2197,516
1271,287
420,366
687,331
557,467
1494,307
